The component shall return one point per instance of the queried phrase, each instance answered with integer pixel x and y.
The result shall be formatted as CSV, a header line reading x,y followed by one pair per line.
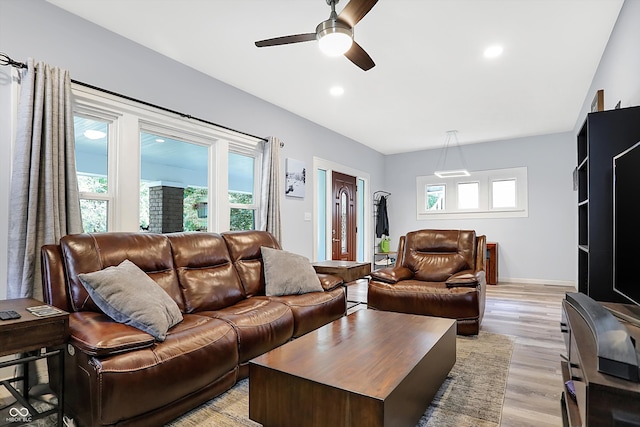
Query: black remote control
x,y
8,315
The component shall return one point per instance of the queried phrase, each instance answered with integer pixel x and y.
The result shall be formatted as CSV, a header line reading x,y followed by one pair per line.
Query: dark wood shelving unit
x,y
603,135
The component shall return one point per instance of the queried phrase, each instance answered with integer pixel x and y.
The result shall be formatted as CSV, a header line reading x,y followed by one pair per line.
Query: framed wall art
x,y
295,178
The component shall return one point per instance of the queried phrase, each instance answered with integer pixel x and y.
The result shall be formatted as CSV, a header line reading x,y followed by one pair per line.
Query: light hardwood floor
x,y
531,314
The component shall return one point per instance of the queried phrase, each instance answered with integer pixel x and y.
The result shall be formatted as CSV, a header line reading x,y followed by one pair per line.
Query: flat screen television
x,y
626,226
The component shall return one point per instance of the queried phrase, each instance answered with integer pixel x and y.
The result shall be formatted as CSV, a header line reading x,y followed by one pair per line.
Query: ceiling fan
x,y
335,35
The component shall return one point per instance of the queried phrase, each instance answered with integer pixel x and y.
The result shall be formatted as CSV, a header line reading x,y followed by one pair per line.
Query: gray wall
x,y
539,247
618,73
35,28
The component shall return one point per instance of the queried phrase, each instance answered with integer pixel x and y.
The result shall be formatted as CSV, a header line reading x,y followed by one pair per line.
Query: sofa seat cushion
x,y
99,335
261,325
196,353
425,298
315,309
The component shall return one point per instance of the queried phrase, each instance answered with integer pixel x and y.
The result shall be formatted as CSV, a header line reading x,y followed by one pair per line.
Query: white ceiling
x,y
430,74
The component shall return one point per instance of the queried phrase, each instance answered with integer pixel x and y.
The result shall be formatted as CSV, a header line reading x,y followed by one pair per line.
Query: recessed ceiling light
x,y
493,51
94,134
336,90
160,140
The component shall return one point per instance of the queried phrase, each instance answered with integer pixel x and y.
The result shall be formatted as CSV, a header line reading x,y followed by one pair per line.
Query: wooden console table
x,y
27,337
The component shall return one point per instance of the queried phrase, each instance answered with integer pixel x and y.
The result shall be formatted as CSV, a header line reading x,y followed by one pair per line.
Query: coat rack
x,y
381,228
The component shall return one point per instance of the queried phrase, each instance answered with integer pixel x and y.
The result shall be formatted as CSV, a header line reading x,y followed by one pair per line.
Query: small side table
x,y
27,336
348,270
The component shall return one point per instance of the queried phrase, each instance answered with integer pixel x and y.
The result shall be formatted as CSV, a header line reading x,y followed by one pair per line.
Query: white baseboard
x,y
538,282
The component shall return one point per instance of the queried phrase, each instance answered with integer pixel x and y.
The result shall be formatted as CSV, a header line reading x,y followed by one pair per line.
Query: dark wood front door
x,y
343,224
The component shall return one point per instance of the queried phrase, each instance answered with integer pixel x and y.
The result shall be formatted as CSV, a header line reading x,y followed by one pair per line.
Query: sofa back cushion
x,y
206,274
244,248
86,253
434,255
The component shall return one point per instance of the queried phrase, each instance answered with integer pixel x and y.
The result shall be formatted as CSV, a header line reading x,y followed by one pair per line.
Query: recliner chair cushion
x,y
435,255
437,268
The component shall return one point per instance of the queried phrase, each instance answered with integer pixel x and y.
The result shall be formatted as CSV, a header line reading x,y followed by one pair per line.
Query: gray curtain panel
x,y
45,201
270,195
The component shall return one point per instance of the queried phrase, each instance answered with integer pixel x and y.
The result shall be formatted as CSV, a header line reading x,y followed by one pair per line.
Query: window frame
x,y
111,118
479,196
491,189
256,154
187,136
485,210
125,160
442,200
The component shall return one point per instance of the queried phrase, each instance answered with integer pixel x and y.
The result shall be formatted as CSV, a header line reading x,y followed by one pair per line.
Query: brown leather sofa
x,y
437,273
118,375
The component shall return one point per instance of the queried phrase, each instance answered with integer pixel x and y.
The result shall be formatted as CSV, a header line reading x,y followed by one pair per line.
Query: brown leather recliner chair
x,y
438,273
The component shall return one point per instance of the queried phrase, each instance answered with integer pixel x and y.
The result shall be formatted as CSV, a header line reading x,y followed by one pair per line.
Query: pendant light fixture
x,y
441,172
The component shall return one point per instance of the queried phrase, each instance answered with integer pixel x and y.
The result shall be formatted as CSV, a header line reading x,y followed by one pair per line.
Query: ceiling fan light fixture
x,y
334,38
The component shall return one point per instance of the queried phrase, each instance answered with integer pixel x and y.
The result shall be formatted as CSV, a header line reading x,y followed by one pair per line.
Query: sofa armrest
x,y
468,278
392,274
96,334
329,282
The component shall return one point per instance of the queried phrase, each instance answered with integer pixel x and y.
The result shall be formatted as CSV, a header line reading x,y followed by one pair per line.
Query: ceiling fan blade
x,y
358,56
355,10
297,38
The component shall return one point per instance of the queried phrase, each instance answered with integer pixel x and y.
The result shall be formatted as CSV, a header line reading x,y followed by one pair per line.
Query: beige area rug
x,y
472,394
10,411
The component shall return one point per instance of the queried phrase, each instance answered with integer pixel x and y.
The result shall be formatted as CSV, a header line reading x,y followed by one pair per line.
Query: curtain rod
x,y
6,60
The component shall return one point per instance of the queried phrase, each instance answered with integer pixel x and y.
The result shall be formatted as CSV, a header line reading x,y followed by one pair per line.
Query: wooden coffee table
x,y
371,368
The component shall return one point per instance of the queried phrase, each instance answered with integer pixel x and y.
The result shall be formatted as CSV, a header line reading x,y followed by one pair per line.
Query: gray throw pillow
x,y
286,273
127,295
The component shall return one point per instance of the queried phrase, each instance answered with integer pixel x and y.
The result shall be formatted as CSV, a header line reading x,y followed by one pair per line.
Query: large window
x,y
173,182
242,191
139,166
92,136
484,194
